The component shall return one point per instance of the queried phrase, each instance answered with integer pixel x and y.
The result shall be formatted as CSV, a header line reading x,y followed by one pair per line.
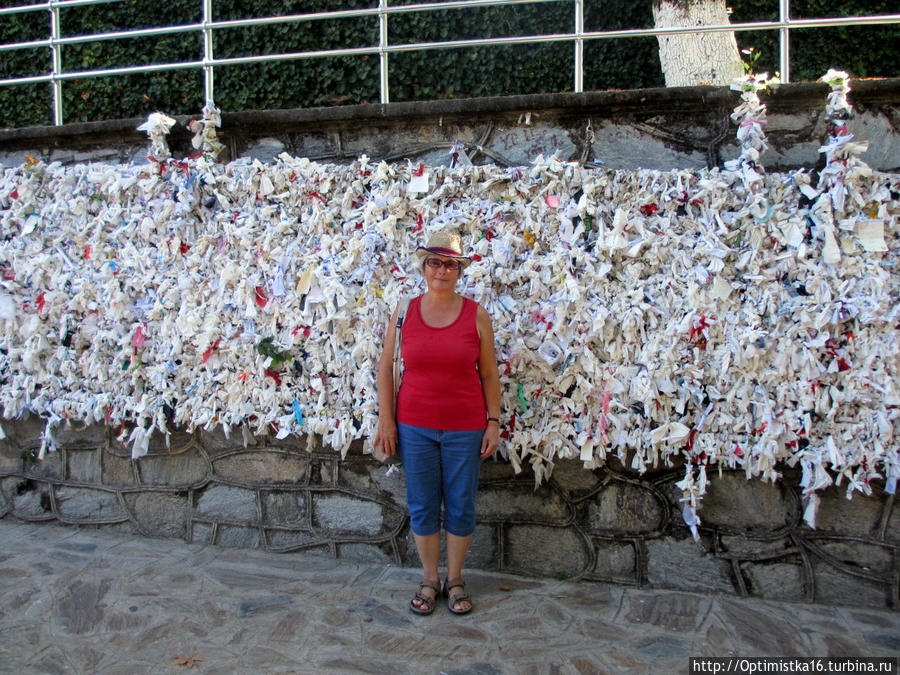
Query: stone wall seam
x,y
713,157
759,557
738,578
35,519
296,548
198,485
885,517
213,532
589,548
843,567
602,483
260,518
895,582
633,580
809,577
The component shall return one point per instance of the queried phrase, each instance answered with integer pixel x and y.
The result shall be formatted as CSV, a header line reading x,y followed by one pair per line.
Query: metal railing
x,y
383,49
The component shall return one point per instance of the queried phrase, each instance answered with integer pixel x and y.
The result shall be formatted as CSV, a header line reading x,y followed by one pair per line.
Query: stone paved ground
x,y
88,601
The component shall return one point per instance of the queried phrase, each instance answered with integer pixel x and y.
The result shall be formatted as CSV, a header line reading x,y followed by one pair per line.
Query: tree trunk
x,y
699,58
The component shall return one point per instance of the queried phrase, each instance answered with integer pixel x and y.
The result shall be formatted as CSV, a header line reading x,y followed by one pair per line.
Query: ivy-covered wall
x,y
434,74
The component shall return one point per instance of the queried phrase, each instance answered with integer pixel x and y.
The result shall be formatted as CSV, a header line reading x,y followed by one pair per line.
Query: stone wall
x,y
610,525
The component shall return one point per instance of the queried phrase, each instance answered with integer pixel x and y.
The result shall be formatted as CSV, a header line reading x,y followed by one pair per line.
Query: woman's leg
x,y
420,453
461,459
429,548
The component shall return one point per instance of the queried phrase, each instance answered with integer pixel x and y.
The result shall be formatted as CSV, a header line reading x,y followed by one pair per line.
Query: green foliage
x,y
432,74
862,51
266,347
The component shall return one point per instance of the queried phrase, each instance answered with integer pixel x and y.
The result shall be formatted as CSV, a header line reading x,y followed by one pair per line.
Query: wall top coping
x,y
612,103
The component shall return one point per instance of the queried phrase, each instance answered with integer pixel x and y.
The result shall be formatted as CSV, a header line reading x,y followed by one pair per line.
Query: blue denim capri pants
x,y
440,467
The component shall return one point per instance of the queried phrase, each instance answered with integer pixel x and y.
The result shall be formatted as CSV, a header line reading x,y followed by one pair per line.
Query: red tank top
x,y
441,387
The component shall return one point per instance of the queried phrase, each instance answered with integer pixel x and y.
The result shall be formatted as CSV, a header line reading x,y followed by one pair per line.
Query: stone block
x,y
264,149
672,493
545,551
175,442
570,476
735,504
25,432
368,553
620,146
337,513
73,436
774,580
867,558
226,503
298,442
521,503
290,540
483,553
616,561
288,507
215,441
116,470
201,533
355,474
323,471
736,546
521,144
857,516
892,533
881,132
234,536
178,471
10,457
86,505
390,486
159,514
626,508
686,566
33,504
835,588
499,470
261,467
84,465
314,143
50,467
29,499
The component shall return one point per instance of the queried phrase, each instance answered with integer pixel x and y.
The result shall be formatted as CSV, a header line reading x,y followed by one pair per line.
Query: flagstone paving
x,y
89,601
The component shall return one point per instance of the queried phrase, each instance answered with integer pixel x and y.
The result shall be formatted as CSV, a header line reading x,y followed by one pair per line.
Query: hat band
x,y
438,250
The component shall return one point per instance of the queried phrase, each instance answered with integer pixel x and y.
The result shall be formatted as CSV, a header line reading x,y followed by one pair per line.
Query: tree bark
x,y
699,58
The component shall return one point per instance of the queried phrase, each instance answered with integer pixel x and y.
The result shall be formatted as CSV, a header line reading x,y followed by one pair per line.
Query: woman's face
x,y
441,272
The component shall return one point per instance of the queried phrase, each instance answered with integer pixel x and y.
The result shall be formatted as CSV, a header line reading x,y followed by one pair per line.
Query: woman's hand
x,y
385,442
490,440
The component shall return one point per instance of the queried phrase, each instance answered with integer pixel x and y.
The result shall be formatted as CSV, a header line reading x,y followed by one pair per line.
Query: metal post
x,y
784,42
383,55
579,46
208,78
56,65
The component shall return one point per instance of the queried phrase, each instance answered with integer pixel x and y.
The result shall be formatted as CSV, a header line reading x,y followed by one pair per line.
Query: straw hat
x,y
445,243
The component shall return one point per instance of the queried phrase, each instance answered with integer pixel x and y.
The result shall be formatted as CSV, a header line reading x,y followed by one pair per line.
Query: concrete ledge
x,y
604,103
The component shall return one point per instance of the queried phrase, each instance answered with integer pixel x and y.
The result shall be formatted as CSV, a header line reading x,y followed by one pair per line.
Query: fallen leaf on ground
x,y
189,661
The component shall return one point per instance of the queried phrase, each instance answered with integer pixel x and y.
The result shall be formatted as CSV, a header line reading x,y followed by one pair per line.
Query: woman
x,y
447,417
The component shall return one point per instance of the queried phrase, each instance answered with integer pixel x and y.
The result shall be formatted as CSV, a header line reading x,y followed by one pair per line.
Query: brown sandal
x,y
455,599
427,602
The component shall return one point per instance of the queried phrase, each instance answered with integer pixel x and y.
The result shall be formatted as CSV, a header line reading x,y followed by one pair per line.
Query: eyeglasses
x,y
449,265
